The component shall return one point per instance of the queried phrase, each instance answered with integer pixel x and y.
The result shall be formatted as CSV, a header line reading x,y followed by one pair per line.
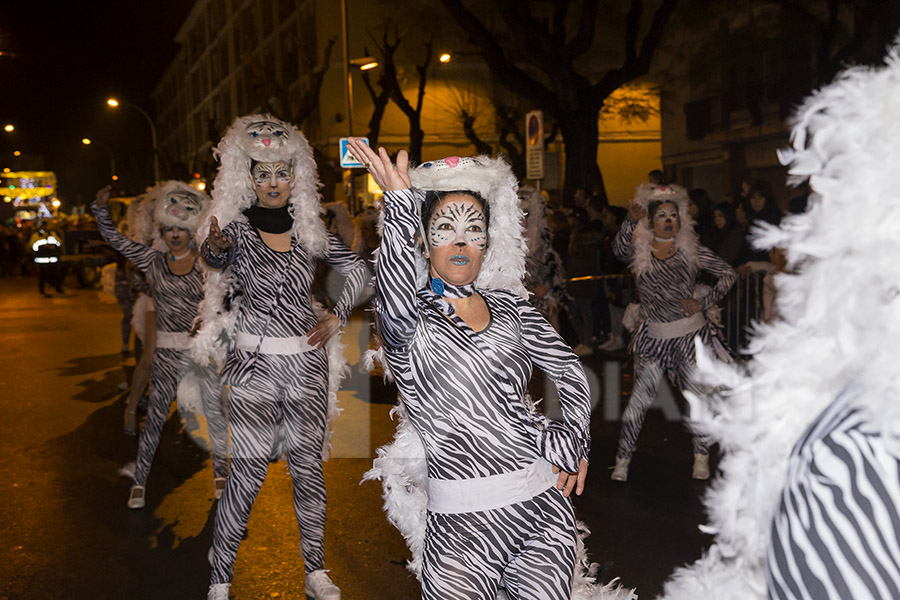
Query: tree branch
x,y
502,68
584,37
638,64
310,99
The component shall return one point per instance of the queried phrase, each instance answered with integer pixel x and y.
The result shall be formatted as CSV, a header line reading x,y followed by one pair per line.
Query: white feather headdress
x,y
264,138
840,308
685,240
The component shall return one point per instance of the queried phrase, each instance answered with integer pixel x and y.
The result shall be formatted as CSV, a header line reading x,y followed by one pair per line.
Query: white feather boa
x,y
839,308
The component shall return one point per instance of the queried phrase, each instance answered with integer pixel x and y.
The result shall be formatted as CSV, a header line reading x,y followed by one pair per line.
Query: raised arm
x,y
353,268
395,280
141,255
623,245
724,274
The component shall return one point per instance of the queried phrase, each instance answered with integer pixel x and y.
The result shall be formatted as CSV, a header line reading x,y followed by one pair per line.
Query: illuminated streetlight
x,y
445,57
115,103
56,203
86,141
8,128
17,153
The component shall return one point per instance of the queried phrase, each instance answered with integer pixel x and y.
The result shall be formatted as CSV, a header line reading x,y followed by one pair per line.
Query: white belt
x,y
272,345
679,328
178,340
486,493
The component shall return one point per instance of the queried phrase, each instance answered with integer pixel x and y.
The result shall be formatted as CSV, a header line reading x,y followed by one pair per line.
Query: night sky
x,y
70,57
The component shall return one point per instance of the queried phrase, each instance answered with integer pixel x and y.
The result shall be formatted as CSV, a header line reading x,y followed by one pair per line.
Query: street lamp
x,y
115,103
445,57
112,159
8,128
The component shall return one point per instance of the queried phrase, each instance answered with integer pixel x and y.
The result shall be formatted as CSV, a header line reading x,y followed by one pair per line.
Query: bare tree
x,y
553,81
380,98
275,97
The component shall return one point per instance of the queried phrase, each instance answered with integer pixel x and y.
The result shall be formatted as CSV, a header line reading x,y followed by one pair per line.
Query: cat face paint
x,y
457,238
272,183
665,220
458,221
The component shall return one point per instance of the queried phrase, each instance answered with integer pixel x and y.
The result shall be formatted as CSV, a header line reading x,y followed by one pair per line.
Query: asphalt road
x,y
65,531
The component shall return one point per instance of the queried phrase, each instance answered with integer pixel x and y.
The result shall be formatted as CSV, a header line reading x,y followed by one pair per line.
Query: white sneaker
x,y
320,587
620,473
218,591
219,485
701,466
136,497
613,342
582,350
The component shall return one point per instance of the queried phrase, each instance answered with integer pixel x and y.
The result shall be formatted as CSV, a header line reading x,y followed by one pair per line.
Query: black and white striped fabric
x,y
836,533
268,390
662,286
463,391
176,298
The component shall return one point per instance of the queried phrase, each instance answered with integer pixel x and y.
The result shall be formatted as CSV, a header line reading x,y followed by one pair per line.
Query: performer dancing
x,y
665,257
176,284
808,505
266,195
460,339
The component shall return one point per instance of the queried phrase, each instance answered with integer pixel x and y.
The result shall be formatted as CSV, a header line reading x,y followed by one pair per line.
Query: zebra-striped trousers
x,y
529,545
169,367
289,390
647,375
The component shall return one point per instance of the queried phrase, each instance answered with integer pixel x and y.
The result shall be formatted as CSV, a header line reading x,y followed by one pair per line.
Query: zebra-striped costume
x,y
463,391
274,385
662,285
836,532
176,298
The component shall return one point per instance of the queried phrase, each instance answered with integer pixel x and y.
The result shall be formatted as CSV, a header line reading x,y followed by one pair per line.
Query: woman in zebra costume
x,y
807,505
266,197
660,245
460,339
176,285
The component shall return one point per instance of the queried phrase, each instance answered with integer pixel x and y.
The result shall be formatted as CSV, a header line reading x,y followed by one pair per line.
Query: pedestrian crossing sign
x,y
348,161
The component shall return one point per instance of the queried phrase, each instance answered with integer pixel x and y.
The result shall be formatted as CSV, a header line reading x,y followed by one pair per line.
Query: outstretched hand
x,y
388,176
103,196
216,241
567,481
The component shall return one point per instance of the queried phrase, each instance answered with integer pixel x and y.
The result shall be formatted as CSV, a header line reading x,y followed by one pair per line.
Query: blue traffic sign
x,y
348,161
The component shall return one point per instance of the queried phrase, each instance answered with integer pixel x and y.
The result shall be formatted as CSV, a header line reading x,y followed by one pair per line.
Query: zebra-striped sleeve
x,y
724,274
552,355
836,533
141,255
623,245
352,267
395,282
